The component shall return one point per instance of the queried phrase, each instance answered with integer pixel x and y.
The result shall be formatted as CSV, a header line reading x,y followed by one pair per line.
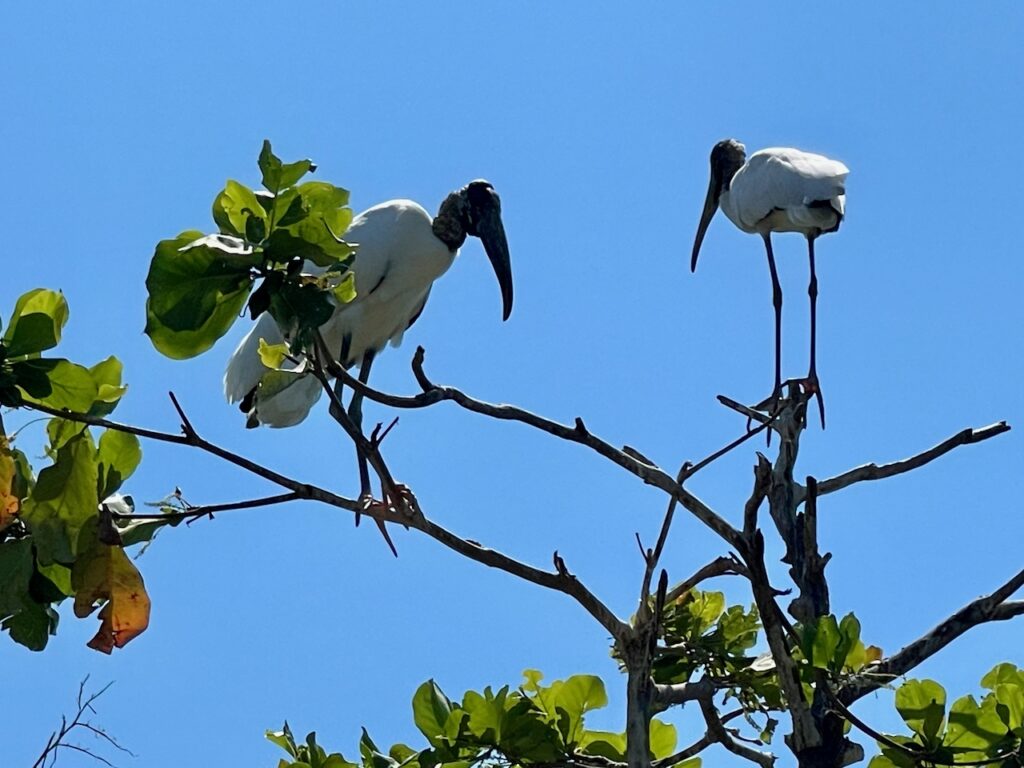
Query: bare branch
x,y
717,731
720,566
561,580
697,747
58,739
202,510
879,472
578,433
984,609
666,696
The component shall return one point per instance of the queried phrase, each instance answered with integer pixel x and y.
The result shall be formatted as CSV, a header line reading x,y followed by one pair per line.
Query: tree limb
x,y
984,609
879,472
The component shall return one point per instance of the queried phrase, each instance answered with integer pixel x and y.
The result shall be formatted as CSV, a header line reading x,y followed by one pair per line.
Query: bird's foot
x,y
812,388
369,504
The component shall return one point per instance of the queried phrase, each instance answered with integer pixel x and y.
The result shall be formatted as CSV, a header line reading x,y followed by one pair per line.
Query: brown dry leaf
x,y
104,572
10,504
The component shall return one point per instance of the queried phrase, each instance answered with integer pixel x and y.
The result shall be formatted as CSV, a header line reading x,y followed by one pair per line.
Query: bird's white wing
x,y
784,179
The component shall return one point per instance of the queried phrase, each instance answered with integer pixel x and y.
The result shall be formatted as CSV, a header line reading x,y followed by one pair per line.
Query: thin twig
x,y
208,509
56,741
697,747
878,472
717,730
720,566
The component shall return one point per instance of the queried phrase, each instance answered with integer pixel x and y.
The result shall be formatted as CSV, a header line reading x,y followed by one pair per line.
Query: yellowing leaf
x,y
345,291
272,355
10,501
104,573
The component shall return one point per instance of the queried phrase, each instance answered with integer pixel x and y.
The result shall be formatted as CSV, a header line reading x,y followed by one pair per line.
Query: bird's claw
x,y
812,388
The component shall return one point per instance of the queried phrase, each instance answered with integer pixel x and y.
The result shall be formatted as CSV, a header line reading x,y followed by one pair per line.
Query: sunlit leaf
x,y
36,323
973,727
195,295
234,206
109,389
57,383
663,738
118,455
63,499
430,710
922,705
278,175
272,355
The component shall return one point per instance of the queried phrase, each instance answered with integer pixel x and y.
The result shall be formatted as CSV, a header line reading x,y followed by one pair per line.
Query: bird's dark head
x,y
476,210
727,157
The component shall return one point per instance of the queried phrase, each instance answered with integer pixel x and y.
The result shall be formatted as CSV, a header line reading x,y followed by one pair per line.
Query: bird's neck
x,y
450,223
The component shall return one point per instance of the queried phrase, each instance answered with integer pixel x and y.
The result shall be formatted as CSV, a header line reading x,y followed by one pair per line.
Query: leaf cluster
x,y
533,725
57,536
968,731
283,238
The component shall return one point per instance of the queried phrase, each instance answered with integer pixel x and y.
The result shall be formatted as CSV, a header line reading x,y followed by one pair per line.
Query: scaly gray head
x,y
476,210
727,157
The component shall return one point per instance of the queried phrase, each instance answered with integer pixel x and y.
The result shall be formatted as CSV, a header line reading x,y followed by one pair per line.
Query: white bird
x,y
777,190
400,252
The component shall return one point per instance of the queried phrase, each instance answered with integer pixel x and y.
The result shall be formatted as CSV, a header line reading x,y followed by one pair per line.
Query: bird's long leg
x,y
813,386
355,413
777,303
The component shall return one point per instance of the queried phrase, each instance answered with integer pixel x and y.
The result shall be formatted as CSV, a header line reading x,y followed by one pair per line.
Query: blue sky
x,y
594,122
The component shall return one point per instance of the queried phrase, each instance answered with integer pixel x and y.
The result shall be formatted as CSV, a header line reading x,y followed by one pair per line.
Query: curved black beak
x,y
710,206
486,224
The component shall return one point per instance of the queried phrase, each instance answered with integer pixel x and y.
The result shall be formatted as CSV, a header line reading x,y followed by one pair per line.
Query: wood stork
x,y
777,190
401,252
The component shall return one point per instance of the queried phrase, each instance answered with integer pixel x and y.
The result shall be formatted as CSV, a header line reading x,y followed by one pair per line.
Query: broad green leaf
x,y
973,727
604,744
103,574
278,175
32,626
573,698
59,576
283,246
36,324
1010,698
283,738
327,214
195,294
233,208
663,739
272,355
430,710
1003,673
345,290
16,566
922,705
63,499
301,306
109,389
59,432
67,385
826,642
118,456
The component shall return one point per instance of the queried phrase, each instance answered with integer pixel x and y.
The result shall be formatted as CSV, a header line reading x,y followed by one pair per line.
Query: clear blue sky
x,y
120,121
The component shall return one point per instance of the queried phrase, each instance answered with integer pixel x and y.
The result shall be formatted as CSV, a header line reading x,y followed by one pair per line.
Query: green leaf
x,y
283,246
1010,698
63,499
36,324
233,208
1003,673
302,306
922,705
663,739
57,383
283,739
430,710
345,291
278,175
826,642
195,294
109,389
326,213
32,626
604,744
972,727
16,567
118,456
272,355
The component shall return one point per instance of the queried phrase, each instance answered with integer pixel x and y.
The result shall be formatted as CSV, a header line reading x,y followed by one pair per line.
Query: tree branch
x,y
697,747
717,731
202,510
984,609
561,580
726,565
875,472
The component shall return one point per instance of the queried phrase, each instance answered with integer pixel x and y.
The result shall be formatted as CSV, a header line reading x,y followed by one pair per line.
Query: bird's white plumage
x,y
397,260
775,188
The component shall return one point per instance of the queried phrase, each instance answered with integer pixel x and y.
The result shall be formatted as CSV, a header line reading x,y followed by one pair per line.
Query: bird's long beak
x,y
492,234
710,206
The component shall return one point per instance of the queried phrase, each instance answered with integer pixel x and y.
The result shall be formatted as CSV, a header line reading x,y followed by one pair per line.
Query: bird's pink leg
x,y
813,386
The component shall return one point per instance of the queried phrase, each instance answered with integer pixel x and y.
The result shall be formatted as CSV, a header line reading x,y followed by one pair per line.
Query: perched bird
x,y
400,252
777,190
